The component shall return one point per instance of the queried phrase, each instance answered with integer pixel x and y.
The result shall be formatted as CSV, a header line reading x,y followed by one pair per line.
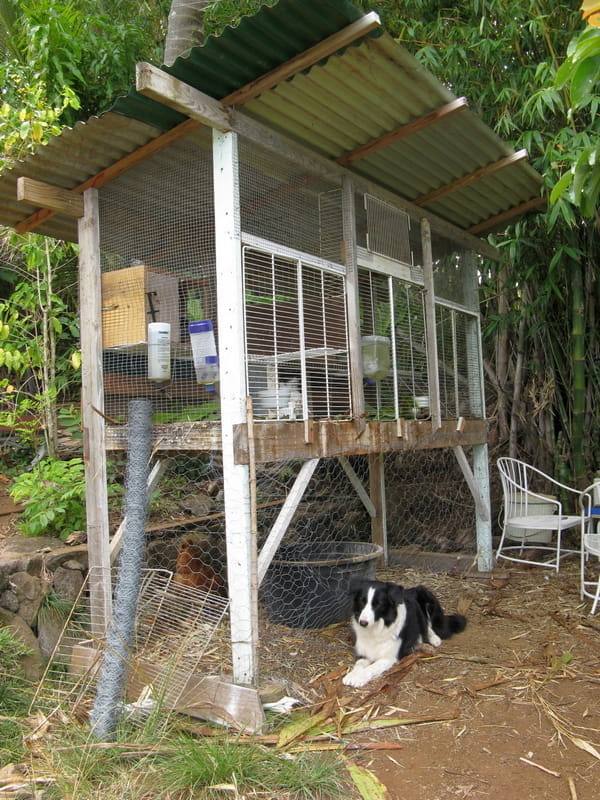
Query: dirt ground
x,y
507,709
511,703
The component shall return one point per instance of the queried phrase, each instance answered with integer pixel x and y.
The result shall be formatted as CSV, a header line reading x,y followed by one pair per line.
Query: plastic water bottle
x,y
204,351
208,373
159,351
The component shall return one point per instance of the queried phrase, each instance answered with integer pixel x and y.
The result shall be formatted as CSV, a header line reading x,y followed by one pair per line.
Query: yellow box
x,y
133,297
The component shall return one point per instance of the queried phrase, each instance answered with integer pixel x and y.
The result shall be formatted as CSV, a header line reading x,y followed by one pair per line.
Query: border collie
x,y
389,622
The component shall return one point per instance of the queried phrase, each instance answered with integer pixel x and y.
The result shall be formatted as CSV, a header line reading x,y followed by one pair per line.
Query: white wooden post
x,y
485,558
92,408
241,546
430,329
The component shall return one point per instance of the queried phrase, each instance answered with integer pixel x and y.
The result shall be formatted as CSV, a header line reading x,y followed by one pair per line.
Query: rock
x,y
50,625
68,580
30,592
32,664
199,504
9,600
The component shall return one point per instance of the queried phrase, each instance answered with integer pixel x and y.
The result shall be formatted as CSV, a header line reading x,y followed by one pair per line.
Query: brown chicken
x,y
191,570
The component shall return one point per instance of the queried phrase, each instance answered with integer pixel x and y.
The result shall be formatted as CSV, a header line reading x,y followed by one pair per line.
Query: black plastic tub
x,y
307,584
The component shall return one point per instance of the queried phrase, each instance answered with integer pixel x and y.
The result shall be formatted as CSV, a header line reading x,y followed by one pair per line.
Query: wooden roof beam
x,y
473,177
45,195
505,216
412,127
309,57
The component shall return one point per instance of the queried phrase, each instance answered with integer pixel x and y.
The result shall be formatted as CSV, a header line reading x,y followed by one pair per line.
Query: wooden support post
x,y
481,471
377,491
230,304
430,326
92,409
350,259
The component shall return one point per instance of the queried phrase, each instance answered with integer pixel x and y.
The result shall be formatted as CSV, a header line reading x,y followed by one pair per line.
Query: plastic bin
x,y
306,585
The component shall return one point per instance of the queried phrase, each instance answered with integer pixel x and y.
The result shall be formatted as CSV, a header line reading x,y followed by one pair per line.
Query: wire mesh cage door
x,y
174,627
394,347
296,337
459,359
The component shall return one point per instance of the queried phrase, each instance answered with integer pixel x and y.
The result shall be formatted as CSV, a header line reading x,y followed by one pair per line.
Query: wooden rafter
x,y
505,216
472,177
403,131
44,194
240,96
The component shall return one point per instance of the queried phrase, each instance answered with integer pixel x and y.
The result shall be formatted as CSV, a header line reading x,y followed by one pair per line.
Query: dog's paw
x,y
355,678
434,639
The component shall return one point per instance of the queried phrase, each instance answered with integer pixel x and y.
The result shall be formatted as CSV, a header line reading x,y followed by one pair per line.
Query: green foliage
x,y
53,497
15,696
39,334
201,767
580,165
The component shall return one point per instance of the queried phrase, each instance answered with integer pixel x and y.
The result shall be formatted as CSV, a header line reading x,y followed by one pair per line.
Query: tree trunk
x,y
579,377
185,27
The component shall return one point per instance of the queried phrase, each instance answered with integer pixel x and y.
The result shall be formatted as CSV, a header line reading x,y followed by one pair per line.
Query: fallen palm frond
x,y
566,729
368,785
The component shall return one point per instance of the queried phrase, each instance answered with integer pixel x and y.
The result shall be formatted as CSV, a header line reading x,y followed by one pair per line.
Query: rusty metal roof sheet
x,y
371,107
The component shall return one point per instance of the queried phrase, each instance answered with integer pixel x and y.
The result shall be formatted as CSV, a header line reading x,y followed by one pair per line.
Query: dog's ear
x,y
396,593
357,585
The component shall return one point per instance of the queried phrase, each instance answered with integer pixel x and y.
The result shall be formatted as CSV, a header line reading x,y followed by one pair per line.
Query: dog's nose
x,y
363,623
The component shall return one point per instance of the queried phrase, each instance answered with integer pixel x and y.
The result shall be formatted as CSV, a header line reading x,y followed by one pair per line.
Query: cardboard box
x,y
133,297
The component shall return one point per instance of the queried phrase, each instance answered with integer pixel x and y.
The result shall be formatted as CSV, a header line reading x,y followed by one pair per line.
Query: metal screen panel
x,y
282,202
459,363
296,338
388,230
393,309
158,264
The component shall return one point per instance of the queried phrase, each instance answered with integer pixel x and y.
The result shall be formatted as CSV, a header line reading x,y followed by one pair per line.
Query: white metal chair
x,y
590,542
533,522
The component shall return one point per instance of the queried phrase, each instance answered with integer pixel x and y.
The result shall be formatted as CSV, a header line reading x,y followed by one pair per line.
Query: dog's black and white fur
x,y
390,622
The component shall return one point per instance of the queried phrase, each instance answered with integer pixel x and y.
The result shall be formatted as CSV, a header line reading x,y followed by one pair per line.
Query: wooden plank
x,y
184,436
480,505
412,127
483,523
164,88
473,177
313,55
502,219
45,195
431,326
92,405
352,296
377,491
236,479
358,486
280,441
284,517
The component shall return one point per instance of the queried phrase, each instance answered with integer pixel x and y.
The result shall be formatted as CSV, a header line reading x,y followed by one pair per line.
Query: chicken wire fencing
x,y
159,296
429,508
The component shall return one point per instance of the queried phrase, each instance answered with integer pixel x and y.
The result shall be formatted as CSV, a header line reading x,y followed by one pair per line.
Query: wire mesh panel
x,y
296,337
459,363
173,629
388,230
158,266
283,202
394,347
429,505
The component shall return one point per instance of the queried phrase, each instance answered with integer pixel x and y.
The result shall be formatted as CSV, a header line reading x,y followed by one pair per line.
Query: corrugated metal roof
x,y
346,101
